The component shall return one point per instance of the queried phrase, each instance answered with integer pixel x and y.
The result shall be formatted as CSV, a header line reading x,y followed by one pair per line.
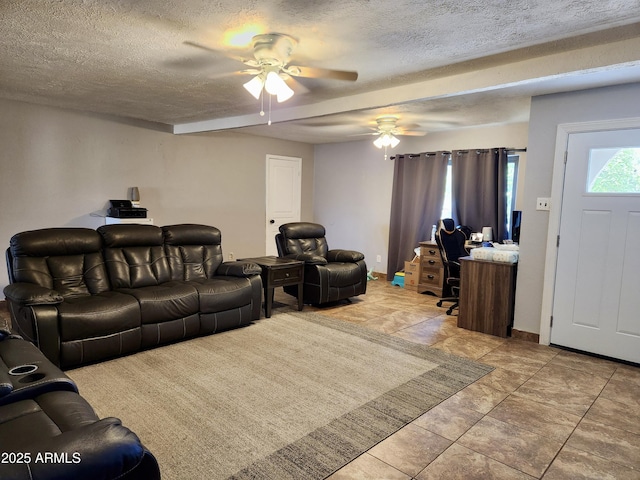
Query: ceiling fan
x,y
387,131
271,69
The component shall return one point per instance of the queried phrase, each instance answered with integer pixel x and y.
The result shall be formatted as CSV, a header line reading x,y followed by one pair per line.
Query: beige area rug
x,y
297,395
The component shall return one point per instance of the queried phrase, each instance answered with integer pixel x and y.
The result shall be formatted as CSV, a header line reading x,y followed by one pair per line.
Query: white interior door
x,y
284,185
596,306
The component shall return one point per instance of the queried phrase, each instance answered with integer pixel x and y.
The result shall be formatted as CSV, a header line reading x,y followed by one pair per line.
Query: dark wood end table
x,y
278,272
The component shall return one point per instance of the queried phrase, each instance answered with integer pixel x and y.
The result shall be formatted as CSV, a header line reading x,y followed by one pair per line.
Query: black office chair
x,y
451,240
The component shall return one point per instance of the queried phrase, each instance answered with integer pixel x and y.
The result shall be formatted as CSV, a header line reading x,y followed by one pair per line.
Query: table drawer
x,y
286,276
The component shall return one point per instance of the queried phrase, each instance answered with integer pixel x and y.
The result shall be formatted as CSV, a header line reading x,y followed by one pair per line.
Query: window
x,y
512,186
447,206
614,170
512,182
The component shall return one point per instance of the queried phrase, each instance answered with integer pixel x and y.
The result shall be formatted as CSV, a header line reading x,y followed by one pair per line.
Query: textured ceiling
x,y
437,64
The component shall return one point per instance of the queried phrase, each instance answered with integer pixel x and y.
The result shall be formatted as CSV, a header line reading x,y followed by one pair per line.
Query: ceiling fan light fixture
x,y
254,86
275,85
386,140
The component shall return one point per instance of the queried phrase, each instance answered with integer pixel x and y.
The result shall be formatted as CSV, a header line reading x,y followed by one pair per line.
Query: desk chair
x,y
451,240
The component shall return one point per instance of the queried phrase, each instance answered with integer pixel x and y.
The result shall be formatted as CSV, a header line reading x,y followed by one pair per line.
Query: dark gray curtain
x,y
416,204
479,189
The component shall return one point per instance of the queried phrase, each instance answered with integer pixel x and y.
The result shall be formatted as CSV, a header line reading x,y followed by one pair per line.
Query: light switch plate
x,y
543,203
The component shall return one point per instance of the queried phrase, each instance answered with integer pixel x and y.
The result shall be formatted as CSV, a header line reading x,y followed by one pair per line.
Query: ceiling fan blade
x,y
312,72
248,61
363,134
411,134
249,71
295,85
198,45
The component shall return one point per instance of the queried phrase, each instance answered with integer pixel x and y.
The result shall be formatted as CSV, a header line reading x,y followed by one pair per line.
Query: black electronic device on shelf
x,y
124,209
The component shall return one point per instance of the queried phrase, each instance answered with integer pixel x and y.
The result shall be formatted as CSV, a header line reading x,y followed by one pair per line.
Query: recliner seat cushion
x,y
223,293
63,424
90,316
49,414
343,274
165,302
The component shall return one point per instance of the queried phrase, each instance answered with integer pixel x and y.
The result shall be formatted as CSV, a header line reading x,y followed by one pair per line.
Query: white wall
x,y
58,167
353,183
547,112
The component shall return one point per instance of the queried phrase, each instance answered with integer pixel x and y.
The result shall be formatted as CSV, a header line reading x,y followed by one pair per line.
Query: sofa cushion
x,y
165,302
304,238
67,260
193,251
223,293
134,255
98,315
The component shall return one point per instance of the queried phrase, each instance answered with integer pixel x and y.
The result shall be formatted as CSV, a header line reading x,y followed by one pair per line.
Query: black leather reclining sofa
x,y
83,295
48,431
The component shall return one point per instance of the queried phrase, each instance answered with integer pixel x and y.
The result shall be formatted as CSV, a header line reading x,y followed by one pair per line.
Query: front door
x,y
596,306
284,177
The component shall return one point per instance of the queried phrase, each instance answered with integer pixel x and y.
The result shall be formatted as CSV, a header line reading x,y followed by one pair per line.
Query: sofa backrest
x,y
303,238
68,260
194,251
134,255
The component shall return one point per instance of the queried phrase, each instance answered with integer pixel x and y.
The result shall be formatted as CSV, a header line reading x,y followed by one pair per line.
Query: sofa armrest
x,y
104,450
6,384
38,324
347,256
239,269
27,294
307,259
40,375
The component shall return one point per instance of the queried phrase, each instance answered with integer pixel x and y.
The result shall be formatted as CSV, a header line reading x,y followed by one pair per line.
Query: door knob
x,y
272,221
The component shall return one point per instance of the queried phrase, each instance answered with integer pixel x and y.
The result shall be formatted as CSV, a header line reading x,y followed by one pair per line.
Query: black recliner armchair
x,y
48,431
329,275
451,241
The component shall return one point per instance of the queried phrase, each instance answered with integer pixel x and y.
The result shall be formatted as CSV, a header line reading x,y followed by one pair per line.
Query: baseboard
x,y
379,275
526,336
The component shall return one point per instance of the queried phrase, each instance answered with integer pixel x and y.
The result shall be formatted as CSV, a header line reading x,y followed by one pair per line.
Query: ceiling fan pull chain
x,y
269,121
262,103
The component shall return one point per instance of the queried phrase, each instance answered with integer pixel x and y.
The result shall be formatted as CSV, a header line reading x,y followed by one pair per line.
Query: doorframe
x,y
555,215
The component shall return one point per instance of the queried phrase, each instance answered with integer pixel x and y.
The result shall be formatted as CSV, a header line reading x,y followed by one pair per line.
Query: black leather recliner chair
x,y
48,431
329,275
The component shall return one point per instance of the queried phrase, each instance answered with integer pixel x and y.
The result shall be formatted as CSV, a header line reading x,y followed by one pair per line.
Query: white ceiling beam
x,y
611,56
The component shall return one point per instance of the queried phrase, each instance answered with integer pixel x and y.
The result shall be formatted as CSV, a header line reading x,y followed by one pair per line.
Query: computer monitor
x,y
516,220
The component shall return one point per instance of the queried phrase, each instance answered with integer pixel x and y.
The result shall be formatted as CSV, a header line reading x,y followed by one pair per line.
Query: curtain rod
x,y
431,154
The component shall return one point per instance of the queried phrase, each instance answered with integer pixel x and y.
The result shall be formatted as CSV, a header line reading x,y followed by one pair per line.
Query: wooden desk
x,y
279,272
487,296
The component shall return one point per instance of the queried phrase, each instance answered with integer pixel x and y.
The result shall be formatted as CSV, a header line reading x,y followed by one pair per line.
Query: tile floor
x,y
542,413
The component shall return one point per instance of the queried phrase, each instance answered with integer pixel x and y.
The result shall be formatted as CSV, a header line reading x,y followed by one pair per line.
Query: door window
x,y
614,170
